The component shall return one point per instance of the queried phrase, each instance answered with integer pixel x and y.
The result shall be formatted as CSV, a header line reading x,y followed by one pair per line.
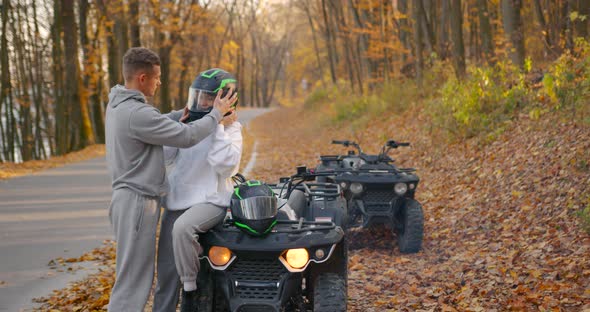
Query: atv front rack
x,y
315,190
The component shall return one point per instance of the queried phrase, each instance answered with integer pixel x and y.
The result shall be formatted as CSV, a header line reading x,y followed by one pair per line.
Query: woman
x,y
200,192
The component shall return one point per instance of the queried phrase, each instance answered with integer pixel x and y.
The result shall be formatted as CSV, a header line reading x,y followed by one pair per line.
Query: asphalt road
x,y
62,212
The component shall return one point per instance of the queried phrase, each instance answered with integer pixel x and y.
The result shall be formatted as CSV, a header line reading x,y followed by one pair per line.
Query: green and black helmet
x,y
204,89
254,207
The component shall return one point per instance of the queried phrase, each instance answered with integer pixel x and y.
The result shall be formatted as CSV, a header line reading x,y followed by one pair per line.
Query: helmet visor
x,y
256,208
200,100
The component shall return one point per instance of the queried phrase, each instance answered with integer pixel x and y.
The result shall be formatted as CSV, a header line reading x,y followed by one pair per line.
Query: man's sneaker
x,y
190,302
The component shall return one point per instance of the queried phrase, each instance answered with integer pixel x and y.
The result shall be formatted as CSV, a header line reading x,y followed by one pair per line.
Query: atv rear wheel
x,y
329,293
411,227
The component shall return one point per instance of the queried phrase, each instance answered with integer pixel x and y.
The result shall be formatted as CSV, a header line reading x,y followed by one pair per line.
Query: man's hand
x,y
184,115
229,119
223,104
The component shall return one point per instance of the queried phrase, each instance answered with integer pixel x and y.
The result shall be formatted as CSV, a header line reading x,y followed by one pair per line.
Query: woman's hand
x,y
224,104
230,119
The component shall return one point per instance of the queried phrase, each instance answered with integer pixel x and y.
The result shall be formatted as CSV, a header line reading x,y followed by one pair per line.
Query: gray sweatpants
x,y
179,249
134,218
167,282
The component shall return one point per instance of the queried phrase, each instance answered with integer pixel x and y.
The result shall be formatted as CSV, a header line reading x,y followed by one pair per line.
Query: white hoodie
x,y
202,173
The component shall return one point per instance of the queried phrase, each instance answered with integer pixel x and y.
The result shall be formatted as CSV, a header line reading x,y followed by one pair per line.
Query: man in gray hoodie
x,y
135,133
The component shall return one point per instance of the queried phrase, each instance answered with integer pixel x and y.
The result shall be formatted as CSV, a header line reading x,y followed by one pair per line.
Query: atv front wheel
x,y
411,227
329,293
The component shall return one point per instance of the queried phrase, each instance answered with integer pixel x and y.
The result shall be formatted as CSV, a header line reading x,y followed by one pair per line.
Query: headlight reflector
x,y
356,188
219,256
320,253
400,188
297,258
343,185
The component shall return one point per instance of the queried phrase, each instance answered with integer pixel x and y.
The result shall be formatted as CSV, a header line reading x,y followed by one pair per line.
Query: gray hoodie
x,y
135,133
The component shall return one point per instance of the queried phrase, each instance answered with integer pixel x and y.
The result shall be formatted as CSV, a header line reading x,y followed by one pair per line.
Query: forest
x,y
492,94
59,58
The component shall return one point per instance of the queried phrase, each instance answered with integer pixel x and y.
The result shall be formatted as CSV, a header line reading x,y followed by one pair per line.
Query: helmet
x,y
254,207
204,89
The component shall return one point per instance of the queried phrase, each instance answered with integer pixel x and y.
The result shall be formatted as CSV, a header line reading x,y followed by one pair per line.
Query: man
x,y
200,192
135,133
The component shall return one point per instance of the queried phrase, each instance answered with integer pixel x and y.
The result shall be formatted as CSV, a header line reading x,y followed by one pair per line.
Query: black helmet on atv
x,y
204,89
254,207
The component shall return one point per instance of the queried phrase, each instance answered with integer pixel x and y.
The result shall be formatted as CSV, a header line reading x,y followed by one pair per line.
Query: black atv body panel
x,y
256,280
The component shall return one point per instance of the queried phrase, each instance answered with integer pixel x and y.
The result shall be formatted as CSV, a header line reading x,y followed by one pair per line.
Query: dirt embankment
x,y
501,228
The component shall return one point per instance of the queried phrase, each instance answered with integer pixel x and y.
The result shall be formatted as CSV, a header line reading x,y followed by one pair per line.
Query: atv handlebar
x,y
394,144
348,143
345,142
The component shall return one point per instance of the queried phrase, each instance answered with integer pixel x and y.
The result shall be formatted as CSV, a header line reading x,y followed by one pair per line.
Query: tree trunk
x,y
134,33
427,27
543,24
329,42
61,113
568,30
315,42
487,42
419,60
443,37
165,103
114,59
75,93
36,73
457,34
583,20
23,61
404,34
514,30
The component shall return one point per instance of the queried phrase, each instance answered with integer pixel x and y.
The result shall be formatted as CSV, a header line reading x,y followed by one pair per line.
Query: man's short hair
x,y
139,59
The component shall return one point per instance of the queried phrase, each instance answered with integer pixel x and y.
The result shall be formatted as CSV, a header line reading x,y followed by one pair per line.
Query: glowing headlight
x,y
356,188
297,258
400,188
219,255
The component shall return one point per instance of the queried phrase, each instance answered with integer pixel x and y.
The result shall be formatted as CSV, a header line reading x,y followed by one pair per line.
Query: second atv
x,y
377,191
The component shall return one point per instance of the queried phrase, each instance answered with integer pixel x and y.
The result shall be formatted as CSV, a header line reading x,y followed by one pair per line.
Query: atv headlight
x,y
219,256
297,258
356,188
400,188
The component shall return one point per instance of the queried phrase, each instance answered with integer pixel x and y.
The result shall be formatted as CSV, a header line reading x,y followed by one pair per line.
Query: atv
x,y
297,261
377,191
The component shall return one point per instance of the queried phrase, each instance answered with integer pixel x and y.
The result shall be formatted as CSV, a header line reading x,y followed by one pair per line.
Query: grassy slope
x,y
501,230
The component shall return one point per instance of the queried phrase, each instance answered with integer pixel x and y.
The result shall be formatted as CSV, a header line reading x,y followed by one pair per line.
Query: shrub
x,y
482,103
567,83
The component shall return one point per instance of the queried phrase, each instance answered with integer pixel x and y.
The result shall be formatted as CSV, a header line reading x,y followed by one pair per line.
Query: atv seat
x,y
328,160
294,207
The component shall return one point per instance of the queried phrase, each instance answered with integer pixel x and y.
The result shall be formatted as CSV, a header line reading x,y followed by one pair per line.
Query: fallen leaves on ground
x,y
11,170
501,231
89,294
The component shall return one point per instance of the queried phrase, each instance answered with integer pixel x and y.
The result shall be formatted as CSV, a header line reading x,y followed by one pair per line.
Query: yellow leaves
x,y
372,289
